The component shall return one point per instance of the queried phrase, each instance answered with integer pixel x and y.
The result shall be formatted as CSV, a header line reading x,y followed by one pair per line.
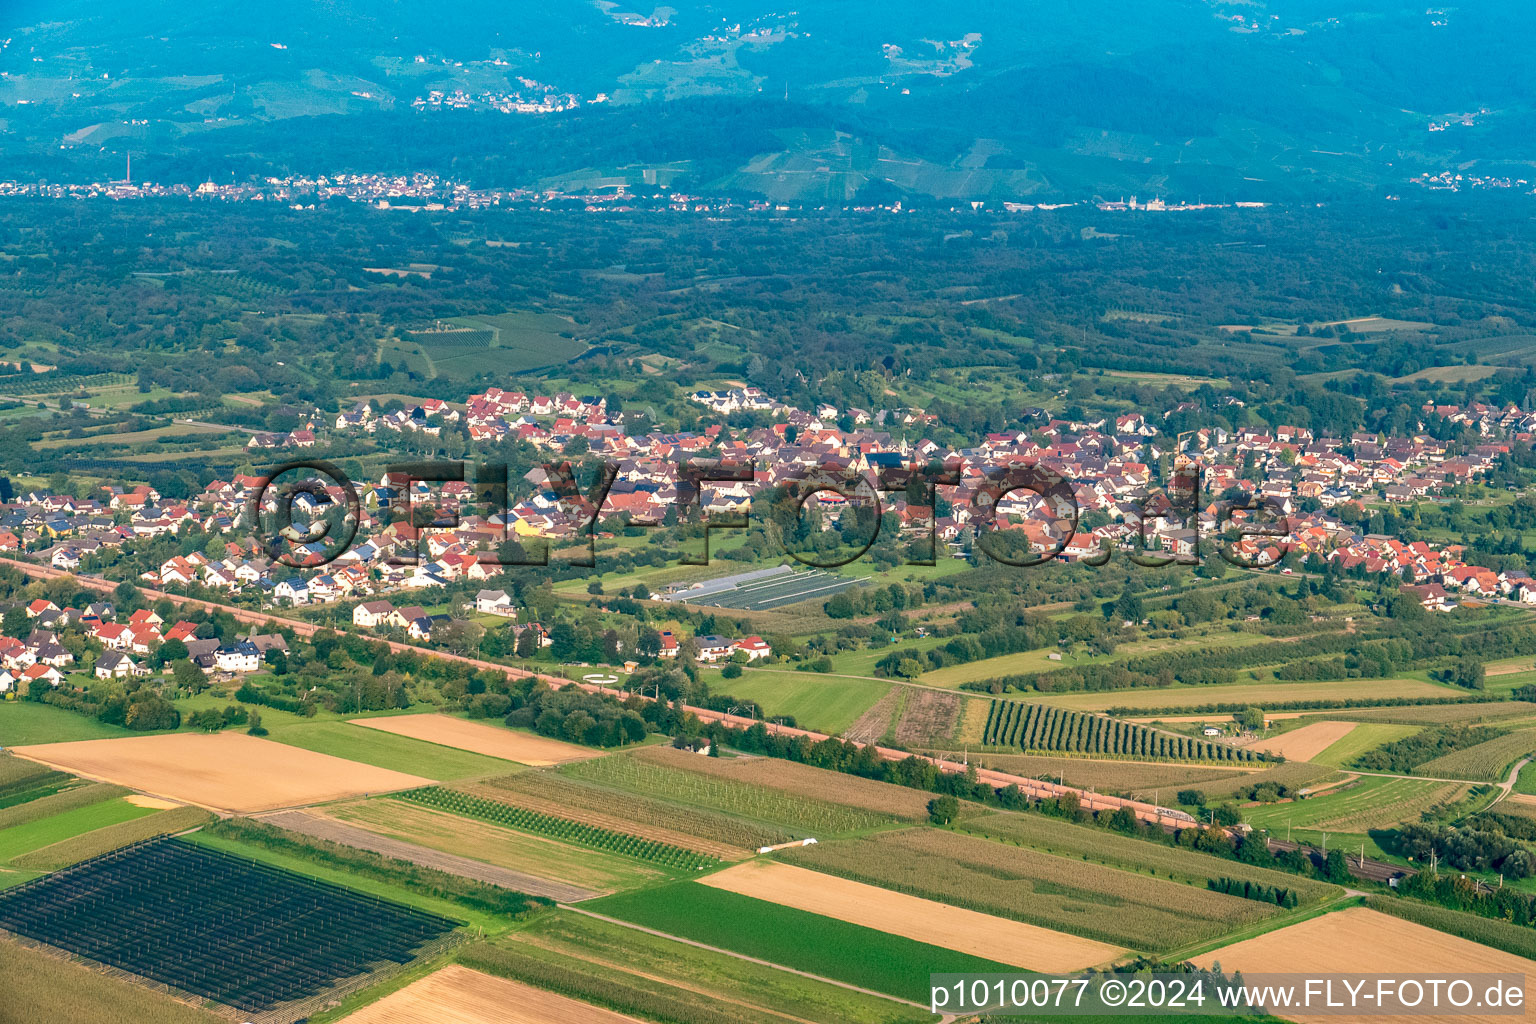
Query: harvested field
x,y
873,724
1059,893
799,779
493,741
896,913
1307,742
140,800
553,793
223,771
1367,942
929,717
349,835
458,995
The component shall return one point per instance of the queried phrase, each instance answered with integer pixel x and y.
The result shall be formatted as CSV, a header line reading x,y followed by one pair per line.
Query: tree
x,y
1336,868
256,728
1253,718
184,673
15,623
943,809
208,720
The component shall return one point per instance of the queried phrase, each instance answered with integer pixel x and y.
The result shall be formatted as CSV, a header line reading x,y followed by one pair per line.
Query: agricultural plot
x,y
1259,694
492,741
1366,942
1112,776
99,841
822,946
20,839
798,816
458,995
40,987
513,342
801,780
1370,803
722,835
775,591
1485,762
825,703
1440,714
639,848
896,913
1364,736
1037,727
209,924
24,722
1065,839
222,771
1291,775
24,781
389,750
1306,742
1068,895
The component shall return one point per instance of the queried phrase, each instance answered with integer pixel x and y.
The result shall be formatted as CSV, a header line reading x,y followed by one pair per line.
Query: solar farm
x,y
763,589
248,936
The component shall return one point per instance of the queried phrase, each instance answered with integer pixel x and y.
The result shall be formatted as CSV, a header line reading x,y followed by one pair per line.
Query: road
x,y
1508,784
1034,787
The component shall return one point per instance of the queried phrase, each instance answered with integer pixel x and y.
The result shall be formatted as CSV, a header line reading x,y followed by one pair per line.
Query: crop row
x,y
1040,727
525,820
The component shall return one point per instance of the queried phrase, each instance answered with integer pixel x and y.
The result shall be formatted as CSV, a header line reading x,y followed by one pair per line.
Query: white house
x,y
238,657
116,665
495,602
371,614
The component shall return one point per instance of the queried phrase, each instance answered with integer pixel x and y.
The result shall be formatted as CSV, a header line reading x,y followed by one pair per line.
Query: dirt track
x,y
349,835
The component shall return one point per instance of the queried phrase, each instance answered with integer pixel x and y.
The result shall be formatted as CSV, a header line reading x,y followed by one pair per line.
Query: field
x,y
1067,895
798,816
388,750
1118,776
765,593
41,802
20,839
1488,761
1090,843
647,975
104,840
1511,938
793,938
1307,742
23,722
895,913
801,780
206,923
521,340
40,987
1037,727
1365,942
1372,802
457,995
1259,694
1039,660
489,740
1526,783
1364,736
724,836
1292,775
823,703
222,771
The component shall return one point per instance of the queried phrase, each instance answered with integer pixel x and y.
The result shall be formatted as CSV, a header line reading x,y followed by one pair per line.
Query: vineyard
x,y
648,850
1049,728
227,929
58,383
804,815
1488,761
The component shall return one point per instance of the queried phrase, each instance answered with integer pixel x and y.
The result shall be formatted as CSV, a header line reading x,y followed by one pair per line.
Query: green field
x,y
823,703
794,938
1526,783
1261,694
33,835
1040,660
386,750
24,722
1488,761
1372,802
513,342
1363,737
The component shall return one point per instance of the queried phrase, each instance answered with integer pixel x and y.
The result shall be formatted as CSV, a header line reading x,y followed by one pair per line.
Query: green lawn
x,y
1526,783
23,722
1363,737
823,703
386,750
793,938
66,825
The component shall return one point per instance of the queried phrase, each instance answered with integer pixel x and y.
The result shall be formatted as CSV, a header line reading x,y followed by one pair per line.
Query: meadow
x,y
1259,694
808,942
1089,843
24,838
823,703
1069,895
25,722
1364,736
105,839
387,750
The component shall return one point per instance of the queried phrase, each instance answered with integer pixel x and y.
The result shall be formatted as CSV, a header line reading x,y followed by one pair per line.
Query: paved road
x,y
362,839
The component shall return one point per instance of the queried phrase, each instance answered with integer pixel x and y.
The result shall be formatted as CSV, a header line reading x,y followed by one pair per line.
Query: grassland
x,y
1086,842
801,816
808,942
823,703
713,987
39,987
493,844
1487,762
1068,895
1364,736
1370,803
56,828
105,839
387,750
1259,694
1439,714
1526,782
24,722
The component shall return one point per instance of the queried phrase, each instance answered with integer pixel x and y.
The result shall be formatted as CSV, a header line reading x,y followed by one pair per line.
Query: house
x,y
238,657
371,614
495,602
40,606
32,673
715,648
116,665
669,645
294,590
1210,730
754,647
